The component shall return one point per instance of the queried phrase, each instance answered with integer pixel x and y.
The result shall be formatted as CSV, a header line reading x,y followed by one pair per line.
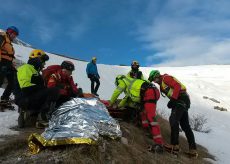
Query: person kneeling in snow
x,y
144,93
32,92
63,80
179,103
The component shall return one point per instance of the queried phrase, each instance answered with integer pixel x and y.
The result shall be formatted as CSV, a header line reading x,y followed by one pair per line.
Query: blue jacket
x,y
91,69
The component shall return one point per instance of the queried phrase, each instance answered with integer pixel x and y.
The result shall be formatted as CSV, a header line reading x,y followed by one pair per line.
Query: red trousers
x,y
148,116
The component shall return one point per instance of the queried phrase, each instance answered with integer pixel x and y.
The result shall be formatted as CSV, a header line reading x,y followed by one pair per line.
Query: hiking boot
x,y
96,94
157,148
173,149
192,153
5,102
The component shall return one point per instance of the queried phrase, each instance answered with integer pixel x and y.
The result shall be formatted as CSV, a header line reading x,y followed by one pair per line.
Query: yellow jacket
x,y
24,75
131,88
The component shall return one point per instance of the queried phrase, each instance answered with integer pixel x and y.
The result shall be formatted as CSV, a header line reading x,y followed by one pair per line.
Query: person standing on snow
x,y
135,73
93,75
63,80
7,69
179,103
144,93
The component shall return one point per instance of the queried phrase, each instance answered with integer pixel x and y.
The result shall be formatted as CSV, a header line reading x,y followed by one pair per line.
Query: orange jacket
x,y
171,87
64,82
6,47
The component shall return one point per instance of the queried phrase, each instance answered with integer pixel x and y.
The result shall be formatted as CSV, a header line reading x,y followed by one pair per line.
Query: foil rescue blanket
x,y
78,121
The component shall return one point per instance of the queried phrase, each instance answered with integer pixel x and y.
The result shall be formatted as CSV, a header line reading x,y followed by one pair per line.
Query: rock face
x,y
220,108
212,99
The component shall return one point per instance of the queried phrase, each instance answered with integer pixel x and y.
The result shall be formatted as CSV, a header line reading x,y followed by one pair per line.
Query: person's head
x,y
67,67
36,53
135,65
118,79
36,62
154,76
94,60
12,32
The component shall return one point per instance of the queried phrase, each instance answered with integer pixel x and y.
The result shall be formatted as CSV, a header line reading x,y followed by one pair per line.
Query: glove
x,y
172,103
90,75
113,106
80,92
109,105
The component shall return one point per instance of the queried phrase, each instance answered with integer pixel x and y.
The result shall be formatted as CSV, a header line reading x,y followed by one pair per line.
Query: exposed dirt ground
x,y
132,148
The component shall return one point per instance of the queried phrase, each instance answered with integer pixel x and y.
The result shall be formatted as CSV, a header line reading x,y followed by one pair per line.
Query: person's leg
x,y
61,100
150,110
97,85
41,100
92,85
144,120
2,73
174,120
1,79
9,89
184,123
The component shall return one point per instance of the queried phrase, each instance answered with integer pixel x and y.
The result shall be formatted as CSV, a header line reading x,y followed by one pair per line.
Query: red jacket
x,y
64,82
171,86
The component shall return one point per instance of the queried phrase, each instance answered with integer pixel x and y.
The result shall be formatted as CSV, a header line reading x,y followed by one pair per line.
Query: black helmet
x,y
135,65
67,65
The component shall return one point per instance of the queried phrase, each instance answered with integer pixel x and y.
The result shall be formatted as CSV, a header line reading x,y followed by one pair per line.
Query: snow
x,y
209,80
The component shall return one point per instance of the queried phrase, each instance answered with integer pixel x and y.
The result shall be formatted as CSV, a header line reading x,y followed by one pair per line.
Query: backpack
x,y
46,73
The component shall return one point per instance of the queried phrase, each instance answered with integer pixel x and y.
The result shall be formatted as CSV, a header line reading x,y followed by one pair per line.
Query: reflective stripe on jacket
x,y
24,75
131,87
7,50
171,87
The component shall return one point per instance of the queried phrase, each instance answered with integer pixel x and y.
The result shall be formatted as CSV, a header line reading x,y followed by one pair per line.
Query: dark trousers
x,y
41,100
62,99
7,71
179,116
93,81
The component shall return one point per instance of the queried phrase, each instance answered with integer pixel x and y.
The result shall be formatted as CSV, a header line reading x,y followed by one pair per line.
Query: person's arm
x,y
123,102
97,73
142,76
128,74
52,82
37,79
2,40
120,88
73,86
88,68
172,83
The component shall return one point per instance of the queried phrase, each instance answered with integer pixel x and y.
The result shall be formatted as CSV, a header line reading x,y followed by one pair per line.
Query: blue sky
x,y
154,32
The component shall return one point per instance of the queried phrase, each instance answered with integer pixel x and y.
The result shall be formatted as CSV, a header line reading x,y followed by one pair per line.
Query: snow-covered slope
x,y
211,81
